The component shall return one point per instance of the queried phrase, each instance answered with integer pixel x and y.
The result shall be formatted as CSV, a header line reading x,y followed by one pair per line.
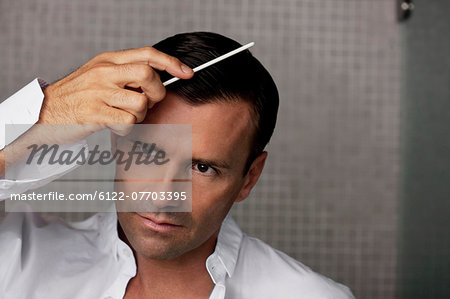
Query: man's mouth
x,y
159,225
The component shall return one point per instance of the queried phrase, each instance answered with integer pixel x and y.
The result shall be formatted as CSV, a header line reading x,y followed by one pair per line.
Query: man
x,y
232,107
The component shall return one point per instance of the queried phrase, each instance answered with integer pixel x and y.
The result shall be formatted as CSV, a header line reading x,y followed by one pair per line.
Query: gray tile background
x,y
329,195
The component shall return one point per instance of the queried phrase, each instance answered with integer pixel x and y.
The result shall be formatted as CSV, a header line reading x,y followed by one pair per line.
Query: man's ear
x,y
252,176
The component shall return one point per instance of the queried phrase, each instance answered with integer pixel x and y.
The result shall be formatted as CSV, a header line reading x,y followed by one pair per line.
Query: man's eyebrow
x,y
214,163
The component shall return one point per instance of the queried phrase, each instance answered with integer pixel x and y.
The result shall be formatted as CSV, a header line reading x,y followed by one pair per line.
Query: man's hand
x,y
114,90
102,93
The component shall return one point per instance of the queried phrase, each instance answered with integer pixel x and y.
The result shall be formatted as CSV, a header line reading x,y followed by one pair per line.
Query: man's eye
x,y
203,168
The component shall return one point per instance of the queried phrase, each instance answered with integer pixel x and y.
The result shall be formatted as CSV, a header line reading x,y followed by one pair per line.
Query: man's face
x,y
221,137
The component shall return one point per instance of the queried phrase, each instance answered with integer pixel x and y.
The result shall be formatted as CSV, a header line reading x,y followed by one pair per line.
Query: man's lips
x,y
160,225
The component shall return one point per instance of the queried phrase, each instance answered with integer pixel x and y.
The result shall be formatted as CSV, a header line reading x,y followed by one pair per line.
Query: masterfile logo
x,y
148,169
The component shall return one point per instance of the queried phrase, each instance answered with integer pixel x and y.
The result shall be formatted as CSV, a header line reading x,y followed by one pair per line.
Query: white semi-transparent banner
x,y
67,168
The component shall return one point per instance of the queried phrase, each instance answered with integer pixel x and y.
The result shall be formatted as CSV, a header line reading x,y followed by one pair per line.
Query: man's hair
x,y
238,78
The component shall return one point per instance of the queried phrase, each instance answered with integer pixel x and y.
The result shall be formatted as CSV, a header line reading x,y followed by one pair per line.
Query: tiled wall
x,y
329,194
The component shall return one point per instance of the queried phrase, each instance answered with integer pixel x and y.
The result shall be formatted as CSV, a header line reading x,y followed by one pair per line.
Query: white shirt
x,y
49,258
52,259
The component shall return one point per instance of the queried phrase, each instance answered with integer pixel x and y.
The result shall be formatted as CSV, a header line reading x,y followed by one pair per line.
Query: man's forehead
x,y
176,109
220,128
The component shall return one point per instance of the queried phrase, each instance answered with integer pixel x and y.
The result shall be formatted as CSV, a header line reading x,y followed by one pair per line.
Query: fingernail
x,y
186,69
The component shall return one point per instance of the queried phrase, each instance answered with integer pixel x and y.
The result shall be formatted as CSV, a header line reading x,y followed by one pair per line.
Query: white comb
x,y
213,61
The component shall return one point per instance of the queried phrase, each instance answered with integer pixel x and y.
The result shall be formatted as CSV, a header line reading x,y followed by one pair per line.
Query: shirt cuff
x,y
22,108
35,175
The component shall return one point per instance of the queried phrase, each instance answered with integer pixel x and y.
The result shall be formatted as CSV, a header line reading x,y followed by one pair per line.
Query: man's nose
x,y
174,189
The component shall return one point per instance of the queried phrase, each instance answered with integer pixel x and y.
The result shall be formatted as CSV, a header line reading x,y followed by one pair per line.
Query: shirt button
x,y
109,297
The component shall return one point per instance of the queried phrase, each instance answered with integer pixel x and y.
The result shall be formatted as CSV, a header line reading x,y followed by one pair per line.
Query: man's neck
x,y
183,277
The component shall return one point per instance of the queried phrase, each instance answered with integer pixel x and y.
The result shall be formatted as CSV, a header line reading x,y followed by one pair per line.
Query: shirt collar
x,y
228,244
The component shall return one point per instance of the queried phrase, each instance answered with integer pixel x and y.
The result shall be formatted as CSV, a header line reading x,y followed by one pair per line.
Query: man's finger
x,y
132,75
119,121
111,115
152,57
133,102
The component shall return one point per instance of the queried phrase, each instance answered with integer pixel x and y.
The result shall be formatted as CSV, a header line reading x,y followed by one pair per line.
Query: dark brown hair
x,y
238,78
